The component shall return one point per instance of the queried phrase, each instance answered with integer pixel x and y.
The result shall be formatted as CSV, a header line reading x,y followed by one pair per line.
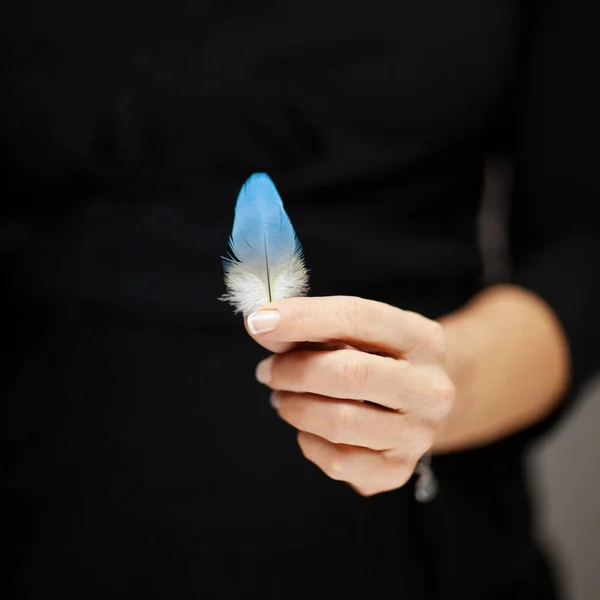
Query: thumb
x,y
264,321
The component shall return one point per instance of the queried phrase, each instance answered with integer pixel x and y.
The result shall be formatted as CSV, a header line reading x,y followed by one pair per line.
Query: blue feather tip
x,y
267,262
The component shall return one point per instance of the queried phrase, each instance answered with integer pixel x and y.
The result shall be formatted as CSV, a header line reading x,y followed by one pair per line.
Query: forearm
x,y
508,358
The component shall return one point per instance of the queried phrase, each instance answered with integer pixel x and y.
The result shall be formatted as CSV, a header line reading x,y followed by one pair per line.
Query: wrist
x,y
508,358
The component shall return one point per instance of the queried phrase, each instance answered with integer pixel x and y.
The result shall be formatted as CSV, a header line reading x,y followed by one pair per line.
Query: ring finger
x,y
353,423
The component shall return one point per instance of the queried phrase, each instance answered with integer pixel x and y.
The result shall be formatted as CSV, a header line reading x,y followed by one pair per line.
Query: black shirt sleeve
x,y
555,229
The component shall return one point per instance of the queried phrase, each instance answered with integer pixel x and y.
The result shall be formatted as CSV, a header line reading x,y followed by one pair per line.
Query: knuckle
x,y
335,467
305,314
354,316
353,372
353,309
391,456
344,420
443,396
436,339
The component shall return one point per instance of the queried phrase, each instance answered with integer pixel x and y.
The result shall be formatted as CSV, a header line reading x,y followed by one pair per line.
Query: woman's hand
x,y
368,397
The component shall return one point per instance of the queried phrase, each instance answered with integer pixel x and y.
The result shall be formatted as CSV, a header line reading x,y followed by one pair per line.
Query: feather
x,y
267,262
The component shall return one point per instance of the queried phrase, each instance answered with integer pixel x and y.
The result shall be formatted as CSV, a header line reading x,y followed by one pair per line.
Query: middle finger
x,y
346,374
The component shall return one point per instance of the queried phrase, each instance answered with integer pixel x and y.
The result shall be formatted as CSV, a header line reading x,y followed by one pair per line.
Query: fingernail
x,y
263,321
263,370
275,400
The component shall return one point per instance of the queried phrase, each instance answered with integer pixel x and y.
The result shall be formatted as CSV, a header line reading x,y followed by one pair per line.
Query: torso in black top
x,y
144,461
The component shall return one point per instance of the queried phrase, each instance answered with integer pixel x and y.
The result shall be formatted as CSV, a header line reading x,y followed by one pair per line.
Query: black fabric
x,y
141,459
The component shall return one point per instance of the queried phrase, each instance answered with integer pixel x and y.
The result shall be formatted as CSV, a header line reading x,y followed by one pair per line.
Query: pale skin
x,y
371,388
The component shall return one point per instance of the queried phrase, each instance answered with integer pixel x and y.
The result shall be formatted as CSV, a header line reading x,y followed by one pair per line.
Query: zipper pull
x,y
426,487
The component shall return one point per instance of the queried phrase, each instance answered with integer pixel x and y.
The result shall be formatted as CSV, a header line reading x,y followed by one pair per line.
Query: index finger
x,y
364,324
